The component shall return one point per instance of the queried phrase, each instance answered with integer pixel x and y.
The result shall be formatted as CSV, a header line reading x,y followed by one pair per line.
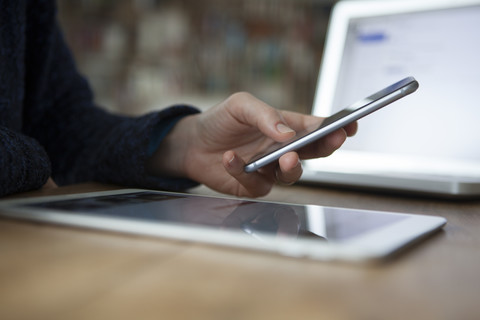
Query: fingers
x,y
246,114
251,184
249,110
351,129
289,169
257,184
325,146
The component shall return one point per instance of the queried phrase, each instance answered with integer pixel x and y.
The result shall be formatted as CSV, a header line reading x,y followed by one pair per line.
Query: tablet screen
x,y
250,217
317,232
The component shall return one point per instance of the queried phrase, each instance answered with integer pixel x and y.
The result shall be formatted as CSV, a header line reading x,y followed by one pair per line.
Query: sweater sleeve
x,y
83,141
25,164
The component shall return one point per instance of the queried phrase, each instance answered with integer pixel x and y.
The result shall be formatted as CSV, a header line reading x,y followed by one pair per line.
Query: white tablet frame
x,y
371,246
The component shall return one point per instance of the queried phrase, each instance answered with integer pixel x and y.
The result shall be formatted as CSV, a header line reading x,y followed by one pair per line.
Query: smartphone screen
x,y
336,121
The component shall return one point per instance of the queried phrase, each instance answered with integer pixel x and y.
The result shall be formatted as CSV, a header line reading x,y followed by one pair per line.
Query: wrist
x,y
169,159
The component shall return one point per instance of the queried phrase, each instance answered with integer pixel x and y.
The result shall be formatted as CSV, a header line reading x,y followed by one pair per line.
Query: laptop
x,y
426,143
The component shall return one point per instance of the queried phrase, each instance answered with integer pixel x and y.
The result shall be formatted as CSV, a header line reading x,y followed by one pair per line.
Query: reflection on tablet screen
x,y
253,218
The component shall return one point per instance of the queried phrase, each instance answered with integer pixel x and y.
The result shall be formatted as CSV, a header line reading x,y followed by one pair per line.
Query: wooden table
x,y
51,272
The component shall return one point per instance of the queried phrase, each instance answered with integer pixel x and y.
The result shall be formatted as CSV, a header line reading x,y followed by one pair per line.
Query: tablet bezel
x,y
373,245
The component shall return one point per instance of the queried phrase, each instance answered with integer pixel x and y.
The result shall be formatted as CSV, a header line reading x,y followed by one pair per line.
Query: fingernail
x,y
234,165
299,163
232,159
284,129
233,162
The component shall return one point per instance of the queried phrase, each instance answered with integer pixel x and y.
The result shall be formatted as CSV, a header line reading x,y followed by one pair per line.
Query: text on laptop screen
x,y
440,49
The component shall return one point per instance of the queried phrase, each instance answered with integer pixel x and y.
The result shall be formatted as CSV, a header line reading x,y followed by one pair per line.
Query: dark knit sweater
x,y
49,125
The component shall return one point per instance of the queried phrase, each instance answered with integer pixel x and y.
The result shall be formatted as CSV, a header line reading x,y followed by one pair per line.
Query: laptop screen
x,y
441,49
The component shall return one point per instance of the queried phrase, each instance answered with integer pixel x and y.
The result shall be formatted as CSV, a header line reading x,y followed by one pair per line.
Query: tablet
x,y
312,231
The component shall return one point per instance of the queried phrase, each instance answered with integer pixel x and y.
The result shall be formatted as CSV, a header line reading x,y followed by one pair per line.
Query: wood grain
x,y
50,272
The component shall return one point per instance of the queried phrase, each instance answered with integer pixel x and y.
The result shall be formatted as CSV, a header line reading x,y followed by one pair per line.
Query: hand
x,y
212,147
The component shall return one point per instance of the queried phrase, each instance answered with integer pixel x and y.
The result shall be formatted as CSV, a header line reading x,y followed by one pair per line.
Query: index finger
x,y
298,122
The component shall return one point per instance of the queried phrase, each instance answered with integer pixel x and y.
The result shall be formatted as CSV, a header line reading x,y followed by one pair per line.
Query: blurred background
x,y
144,55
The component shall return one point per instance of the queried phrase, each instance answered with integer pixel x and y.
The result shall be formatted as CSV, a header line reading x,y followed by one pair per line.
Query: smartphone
x,y
336,121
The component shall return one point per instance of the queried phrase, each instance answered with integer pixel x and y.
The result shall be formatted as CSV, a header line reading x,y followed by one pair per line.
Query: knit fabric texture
x,y
49,124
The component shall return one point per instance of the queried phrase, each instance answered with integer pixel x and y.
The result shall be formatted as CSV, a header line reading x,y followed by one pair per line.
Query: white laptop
x,y
428,142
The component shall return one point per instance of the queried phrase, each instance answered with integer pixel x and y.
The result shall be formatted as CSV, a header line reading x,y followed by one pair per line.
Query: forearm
x,y
84,142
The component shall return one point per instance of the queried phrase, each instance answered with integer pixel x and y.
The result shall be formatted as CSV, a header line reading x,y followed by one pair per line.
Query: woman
x,y
50,129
